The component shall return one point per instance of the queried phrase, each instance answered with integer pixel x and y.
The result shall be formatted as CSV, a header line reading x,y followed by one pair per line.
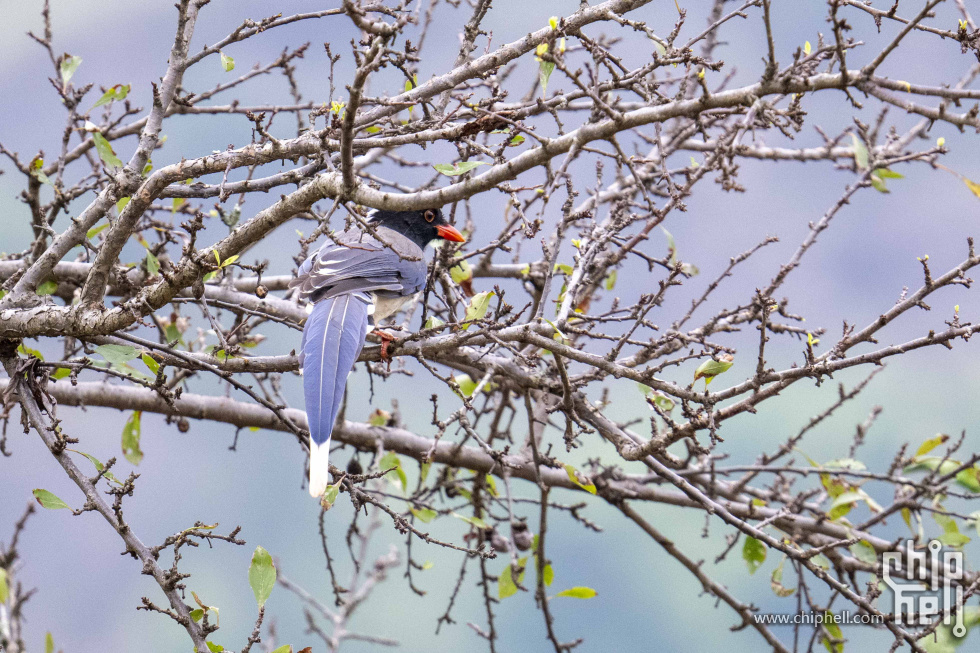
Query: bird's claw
x,y
386,339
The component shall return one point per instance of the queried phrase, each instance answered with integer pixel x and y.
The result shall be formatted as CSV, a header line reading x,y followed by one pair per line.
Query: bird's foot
x,y
386,338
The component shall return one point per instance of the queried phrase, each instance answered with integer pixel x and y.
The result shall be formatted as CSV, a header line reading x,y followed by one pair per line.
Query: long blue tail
x,y
332,340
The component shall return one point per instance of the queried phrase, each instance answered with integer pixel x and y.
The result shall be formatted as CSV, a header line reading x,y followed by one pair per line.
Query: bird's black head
x,y
420,227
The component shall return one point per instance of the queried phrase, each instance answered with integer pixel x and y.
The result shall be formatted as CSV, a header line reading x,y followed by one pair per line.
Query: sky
x,y
88,592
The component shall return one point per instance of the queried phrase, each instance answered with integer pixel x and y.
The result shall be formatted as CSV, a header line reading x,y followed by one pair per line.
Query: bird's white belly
x,y
385,306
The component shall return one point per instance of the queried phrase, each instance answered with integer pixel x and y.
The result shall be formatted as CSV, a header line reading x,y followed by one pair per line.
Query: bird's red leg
x,y
385,339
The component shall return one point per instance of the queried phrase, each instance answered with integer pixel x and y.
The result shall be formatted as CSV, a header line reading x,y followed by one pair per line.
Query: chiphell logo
x,y
921,602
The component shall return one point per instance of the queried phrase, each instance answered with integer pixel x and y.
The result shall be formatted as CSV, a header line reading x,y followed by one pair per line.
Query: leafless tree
x,y
528,324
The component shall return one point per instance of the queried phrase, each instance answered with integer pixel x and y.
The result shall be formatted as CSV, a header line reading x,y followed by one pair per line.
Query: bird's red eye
x,y
430,215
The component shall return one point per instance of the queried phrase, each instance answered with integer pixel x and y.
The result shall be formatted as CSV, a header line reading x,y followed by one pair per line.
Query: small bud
x,y
522,536
499,542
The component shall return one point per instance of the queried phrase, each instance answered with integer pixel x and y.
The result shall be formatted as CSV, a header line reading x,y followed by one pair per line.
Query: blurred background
x,y
88,592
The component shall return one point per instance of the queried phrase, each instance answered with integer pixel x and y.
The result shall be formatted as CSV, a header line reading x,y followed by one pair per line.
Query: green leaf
x,y
931,444
458,168
98,466
835,632
150,363
861,158
215,648
907,518
491,484
467,386
27,351
117,92
95,231
516,140
462,272
807,48
379,417
424,471
285,648
754,553
69,64
4,587
578,593
848,499
878,184
973,186
37,169
432,323
47,288
611,280
545,68
548,575
711,368
373,129
505,583
864,551
821,561
49,500
477,310
969,478
118,354
197,614
261,575
228,261
425,515
152,264
662,401
671,246
131,438
329,497
776,581
105,151
48,643
474,521
227,63
391,460
951,537
573,477
885,173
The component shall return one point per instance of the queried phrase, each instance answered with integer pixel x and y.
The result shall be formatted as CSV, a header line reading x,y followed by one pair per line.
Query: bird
x,y
356,279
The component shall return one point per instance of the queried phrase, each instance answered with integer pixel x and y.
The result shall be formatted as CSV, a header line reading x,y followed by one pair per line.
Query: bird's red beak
x,y
447,232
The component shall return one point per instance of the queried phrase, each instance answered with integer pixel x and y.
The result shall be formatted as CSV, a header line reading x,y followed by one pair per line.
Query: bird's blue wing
x,y
332,340
340,279
357,262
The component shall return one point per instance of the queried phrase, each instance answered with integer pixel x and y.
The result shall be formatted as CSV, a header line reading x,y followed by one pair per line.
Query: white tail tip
x,y
319,468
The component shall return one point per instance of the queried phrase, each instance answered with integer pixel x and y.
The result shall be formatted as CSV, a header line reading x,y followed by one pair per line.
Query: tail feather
x,y
332,340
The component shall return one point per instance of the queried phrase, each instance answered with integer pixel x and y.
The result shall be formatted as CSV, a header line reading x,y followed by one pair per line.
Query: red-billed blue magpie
x,y
356,279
